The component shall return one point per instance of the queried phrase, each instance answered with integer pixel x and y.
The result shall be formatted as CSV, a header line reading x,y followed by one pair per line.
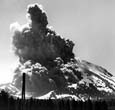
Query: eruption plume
x,y
48,61
38,43
39,50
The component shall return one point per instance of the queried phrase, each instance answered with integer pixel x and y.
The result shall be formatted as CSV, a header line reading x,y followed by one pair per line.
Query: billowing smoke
x,y
41,53
35,41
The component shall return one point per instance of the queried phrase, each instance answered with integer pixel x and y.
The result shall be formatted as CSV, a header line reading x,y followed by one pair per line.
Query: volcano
x,y
52,70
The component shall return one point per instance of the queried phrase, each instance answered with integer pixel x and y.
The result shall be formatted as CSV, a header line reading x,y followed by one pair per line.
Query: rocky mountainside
x,y
52,71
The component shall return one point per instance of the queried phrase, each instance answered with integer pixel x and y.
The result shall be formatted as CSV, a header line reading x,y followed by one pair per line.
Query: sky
x,y
89,23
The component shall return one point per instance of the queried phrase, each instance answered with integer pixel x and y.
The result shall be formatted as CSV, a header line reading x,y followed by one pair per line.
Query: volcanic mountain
x,y
52,70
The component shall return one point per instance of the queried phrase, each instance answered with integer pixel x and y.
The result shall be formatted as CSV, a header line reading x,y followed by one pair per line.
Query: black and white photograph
x,y
57,55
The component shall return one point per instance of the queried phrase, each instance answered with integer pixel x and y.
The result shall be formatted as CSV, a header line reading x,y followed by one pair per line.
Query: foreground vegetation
x,y
10,103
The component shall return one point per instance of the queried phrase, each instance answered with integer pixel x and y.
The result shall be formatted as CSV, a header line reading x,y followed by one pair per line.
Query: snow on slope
x,y
79,81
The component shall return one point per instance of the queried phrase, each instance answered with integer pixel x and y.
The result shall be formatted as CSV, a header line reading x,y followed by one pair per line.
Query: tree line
x,y
10,103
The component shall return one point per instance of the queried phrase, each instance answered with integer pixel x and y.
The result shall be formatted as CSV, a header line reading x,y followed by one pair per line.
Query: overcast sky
x,y
89,23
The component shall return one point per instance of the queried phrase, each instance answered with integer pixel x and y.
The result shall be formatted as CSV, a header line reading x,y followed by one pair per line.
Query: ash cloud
x,y
38,81
41,53
37,42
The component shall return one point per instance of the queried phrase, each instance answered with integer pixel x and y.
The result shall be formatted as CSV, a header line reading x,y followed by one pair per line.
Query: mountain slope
x,y
77,79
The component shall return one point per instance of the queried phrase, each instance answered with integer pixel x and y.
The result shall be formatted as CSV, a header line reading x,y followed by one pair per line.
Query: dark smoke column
x,y
40,50
35,41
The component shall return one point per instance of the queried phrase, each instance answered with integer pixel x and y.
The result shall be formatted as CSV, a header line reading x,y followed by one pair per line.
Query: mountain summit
x,y
52,71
